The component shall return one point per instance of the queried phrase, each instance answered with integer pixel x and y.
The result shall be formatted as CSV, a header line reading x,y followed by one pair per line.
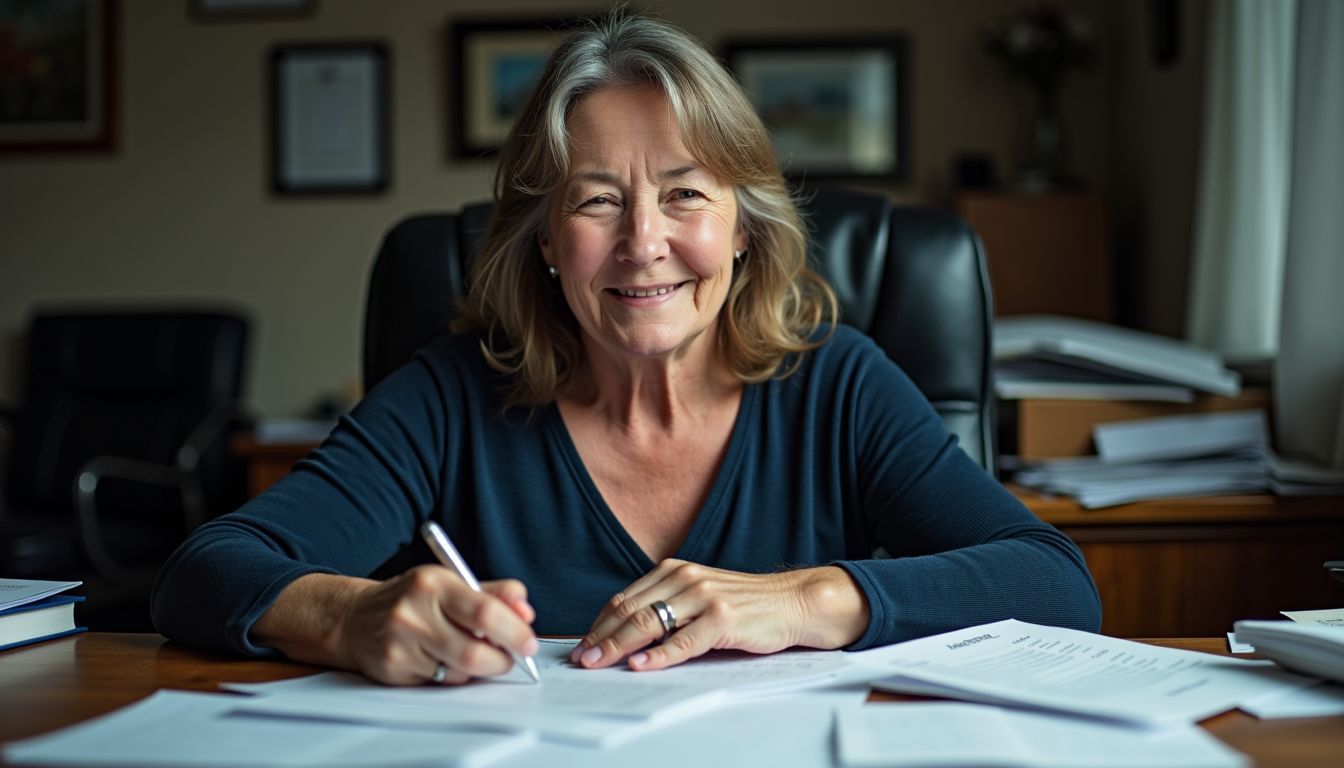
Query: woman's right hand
x,y
398,631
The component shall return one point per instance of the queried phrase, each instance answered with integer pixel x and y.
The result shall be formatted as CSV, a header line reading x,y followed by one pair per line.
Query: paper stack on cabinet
x,y
1177,456
1050,356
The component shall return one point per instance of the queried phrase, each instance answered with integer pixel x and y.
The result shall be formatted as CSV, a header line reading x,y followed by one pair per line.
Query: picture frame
x,y
495,63
249,10
330,118
835,108
69,102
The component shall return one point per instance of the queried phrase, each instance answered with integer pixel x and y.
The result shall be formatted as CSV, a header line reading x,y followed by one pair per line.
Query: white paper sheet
x,y
1174,437
1322,700
789,731
952,734
591,731
178,728
1333,617
1236,646
571,705
16,592
1071,671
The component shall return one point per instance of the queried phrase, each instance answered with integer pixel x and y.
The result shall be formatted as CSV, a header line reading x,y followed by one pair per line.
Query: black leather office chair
x,y
912,278
119,449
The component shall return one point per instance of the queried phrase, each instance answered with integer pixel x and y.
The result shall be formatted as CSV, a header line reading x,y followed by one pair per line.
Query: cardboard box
x,y
1048,429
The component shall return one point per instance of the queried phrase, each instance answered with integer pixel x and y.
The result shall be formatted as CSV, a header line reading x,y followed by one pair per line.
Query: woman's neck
x,y
661,394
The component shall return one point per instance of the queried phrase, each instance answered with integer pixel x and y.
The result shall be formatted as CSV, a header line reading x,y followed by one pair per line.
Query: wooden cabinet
x,y
267,462
1192,567
1047,253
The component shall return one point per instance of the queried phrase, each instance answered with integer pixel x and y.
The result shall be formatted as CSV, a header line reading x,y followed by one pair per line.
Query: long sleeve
x,y
346,508
823,466
964,550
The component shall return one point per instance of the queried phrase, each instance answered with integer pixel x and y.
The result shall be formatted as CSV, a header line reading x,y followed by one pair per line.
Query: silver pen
x,y
447,554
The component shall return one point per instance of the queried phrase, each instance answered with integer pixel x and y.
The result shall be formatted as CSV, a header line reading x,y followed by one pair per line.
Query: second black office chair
x,y
118,449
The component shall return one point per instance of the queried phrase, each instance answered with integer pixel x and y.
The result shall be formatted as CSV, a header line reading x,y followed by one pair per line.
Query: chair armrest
x,y
204,434
92,474
182,475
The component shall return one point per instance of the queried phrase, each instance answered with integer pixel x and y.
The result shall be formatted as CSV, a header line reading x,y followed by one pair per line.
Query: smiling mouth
x,y
643,293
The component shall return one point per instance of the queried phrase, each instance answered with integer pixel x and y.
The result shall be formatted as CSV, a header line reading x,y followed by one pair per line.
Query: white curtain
x,y
1268,266
1309,370
1242,210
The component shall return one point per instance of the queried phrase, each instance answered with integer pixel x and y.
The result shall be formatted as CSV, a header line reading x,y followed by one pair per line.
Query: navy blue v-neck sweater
x,y
824,466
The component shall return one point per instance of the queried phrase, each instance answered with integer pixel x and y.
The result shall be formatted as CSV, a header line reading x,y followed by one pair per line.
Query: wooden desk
x,y
61,682
1192,567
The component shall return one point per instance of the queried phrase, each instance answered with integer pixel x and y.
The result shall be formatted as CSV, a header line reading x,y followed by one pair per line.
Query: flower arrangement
x,y
1041,45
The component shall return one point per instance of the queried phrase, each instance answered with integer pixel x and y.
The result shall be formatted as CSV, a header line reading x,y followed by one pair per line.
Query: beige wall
x,y
182,211
1156,161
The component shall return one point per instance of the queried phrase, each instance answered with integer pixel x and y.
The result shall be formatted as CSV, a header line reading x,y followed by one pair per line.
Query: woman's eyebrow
x,y
679,172
607,177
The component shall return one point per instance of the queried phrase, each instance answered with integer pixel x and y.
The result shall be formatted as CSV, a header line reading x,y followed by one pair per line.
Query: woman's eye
x,y
685,194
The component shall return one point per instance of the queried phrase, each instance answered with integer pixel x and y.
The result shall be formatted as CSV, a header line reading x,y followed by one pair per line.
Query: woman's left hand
x,y
714,608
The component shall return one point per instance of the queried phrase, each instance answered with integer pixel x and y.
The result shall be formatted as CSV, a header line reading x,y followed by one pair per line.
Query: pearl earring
x,y
554,272
739,254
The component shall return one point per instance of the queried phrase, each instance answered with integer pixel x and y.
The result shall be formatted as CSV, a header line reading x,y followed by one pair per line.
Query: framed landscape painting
x,y
496,63
836,109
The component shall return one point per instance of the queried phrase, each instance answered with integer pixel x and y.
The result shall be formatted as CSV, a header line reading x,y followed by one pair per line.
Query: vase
x,y
1045,164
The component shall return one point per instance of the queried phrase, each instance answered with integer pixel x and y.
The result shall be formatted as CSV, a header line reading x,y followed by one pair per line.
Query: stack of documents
x,y
1074,699
1063,670
1315,649
1049,356
1176,456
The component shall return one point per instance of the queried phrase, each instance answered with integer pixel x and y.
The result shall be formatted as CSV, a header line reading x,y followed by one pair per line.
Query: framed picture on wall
x,y
329,118
58,75
836,109
250,10
496,64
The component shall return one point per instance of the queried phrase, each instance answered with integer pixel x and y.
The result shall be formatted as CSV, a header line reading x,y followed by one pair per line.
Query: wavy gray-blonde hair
x,y
775,306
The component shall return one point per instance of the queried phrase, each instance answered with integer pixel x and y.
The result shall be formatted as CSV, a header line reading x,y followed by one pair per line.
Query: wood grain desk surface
x,y
61,682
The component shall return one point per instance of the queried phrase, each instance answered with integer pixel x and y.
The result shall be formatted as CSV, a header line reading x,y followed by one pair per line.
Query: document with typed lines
x,y
1013,662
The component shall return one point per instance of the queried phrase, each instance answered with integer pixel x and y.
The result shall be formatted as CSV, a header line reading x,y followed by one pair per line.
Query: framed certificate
x,y
329,118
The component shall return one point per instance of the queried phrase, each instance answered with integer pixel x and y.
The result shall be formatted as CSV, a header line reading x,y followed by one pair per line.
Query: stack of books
x,y
31,611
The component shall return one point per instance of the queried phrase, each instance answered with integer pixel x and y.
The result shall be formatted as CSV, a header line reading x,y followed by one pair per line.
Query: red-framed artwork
x,y
58,75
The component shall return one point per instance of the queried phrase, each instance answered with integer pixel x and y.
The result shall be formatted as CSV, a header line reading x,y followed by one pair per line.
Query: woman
x,y
647,417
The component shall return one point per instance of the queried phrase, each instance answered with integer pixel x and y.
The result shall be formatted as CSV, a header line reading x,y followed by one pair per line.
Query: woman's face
x,y
643,236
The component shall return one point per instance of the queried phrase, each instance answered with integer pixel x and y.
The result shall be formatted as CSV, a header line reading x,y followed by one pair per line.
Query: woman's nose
x,y
646,235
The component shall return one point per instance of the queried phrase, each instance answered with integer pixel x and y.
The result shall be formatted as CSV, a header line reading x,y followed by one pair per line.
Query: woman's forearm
x,y
305,622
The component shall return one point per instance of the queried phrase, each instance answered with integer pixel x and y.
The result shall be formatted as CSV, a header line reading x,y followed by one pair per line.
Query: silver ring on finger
x,y
665,617
440,674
